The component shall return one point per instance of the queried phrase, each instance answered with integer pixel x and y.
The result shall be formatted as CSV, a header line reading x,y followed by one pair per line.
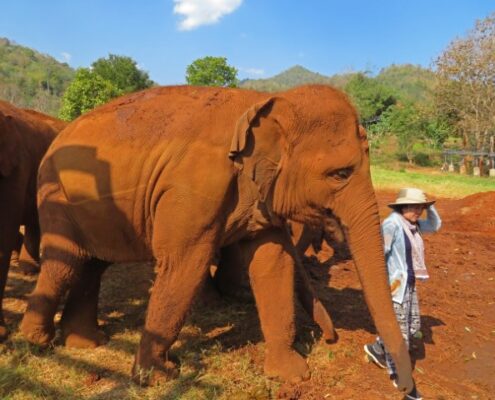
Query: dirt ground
x,y
455,360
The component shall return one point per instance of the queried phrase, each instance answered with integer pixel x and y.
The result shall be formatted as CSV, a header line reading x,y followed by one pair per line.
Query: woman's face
x,y
412,212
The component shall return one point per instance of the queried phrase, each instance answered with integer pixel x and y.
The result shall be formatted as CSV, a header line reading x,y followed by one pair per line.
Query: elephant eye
x,y
340,174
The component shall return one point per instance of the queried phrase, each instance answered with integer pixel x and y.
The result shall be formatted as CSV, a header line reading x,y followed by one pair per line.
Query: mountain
x,y
294,76
409,82
31,79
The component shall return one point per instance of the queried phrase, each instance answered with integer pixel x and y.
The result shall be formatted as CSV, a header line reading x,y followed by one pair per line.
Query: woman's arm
x,y
432,223
389,230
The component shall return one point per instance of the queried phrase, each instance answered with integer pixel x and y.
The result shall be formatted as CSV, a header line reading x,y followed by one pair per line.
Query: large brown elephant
x,y
24,138
174,174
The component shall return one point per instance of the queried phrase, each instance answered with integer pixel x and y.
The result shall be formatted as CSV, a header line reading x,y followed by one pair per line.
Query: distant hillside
x,y
31,79
409,82
294,76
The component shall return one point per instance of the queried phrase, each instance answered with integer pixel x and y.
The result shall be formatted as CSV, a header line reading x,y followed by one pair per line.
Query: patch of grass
x,y
437,184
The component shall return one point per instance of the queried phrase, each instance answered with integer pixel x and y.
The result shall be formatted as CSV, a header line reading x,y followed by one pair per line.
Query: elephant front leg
x,y
179,278
29,257
79,321
271,272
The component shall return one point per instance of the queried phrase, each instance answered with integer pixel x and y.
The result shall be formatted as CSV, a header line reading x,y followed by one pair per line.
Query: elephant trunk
x,y
362,226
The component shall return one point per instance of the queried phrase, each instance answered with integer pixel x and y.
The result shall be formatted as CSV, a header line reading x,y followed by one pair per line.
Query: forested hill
x,y
31,79
410,82
407,82
294,76
34,80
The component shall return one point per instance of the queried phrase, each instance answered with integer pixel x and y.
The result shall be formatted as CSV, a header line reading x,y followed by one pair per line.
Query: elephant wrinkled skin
x,y
24,138
173,174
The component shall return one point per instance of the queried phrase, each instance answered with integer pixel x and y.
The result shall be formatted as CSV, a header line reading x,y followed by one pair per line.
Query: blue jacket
x,y
395,248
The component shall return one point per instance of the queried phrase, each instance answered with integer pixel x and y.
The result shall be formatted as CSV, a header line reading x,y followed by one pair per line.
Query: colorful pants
x,y
409,321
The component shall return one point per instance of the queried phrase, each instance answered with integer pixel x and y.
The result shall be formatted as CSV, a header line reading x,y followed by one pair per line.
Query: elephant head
x,y
308,155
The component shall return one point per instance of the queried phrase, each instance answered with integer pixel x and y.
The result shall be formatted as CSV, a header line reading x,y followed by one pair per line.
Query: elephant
x,y
174,174
24,138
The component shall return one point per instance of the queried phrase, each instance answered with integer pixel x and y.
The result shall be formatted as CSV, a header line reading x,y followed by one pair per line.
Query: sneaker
x,y
375,356
413,394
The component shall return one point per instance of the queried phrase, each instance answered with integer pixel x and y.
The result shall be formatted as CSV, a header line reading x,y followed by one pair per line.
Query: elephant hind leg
x,y
312,305
79,321
29,257
16,251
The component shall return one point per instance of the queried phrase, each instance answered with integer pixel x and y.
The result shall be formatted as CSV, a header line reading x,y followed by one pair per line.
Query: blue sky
x,y
259,37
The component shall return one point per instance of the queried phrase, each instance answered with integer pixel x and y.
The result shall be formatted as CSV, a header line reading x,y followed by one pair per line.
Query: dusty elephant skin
x,y
24,138
174,174
231,276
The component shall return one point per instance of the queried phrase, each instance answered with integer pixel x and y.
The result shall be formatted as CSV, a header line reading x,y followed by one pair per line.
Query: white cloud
x,y
66,56
203,12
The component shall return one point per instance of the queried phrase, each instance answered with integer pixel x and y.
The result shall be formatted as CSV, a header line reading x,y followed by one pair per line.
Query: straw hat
x,y
408,196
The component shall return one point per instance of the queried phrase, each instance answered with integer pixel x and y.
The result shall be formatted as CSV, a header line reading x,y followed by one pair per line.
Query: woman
x,y
404,253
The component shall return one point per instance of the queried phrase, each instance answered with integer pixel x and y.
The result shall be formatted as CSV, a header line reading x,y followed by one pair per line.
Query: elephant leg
x,y
8,236
30,251
313,306
271,271
62,264
14,258
178,280
79,321
231,277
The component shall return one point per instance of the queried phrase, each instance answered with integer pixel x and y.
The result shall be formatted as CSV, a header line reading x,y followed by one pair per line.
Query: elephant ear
x,y
265,155
363,136
244,125
9,146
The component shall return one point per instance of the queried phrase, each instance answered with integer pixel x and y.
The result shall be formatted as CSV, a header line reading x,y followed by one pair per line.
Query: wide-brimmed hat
x,y
409,196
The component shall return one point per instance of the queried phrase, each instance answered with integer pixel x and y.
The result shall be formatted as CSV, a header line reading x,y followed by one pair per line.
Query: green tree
x,y
211,71
405,122
107,78
85,92
122,72
369,96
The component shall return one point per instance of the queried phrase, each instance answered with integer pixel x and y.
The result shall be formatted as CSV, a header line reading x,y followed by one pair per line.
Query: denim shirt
x,y
395,248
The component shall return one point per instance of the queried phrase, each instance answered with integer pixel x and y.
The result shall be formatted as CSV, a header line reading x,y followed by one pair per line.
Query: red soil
x,y
456,358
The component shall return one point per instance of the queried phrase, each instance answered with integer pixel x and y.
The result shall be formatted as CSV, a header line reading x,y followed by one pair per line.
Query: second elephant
x,y
24,138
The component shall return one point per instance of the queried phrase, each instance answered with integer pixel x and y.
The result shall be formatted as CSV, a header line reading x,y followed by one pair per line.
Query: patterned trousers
x,y
409,321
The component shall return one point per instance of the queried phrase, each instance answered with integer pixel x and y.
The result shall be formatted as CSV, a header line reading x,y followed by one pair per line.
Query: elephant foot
x,y
287,365
88,339
154,373
29,267
37,333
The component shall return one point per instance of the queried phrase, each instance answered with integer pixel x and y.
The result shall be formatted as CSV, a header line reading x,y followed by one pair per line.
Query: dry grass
x,y
218,360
